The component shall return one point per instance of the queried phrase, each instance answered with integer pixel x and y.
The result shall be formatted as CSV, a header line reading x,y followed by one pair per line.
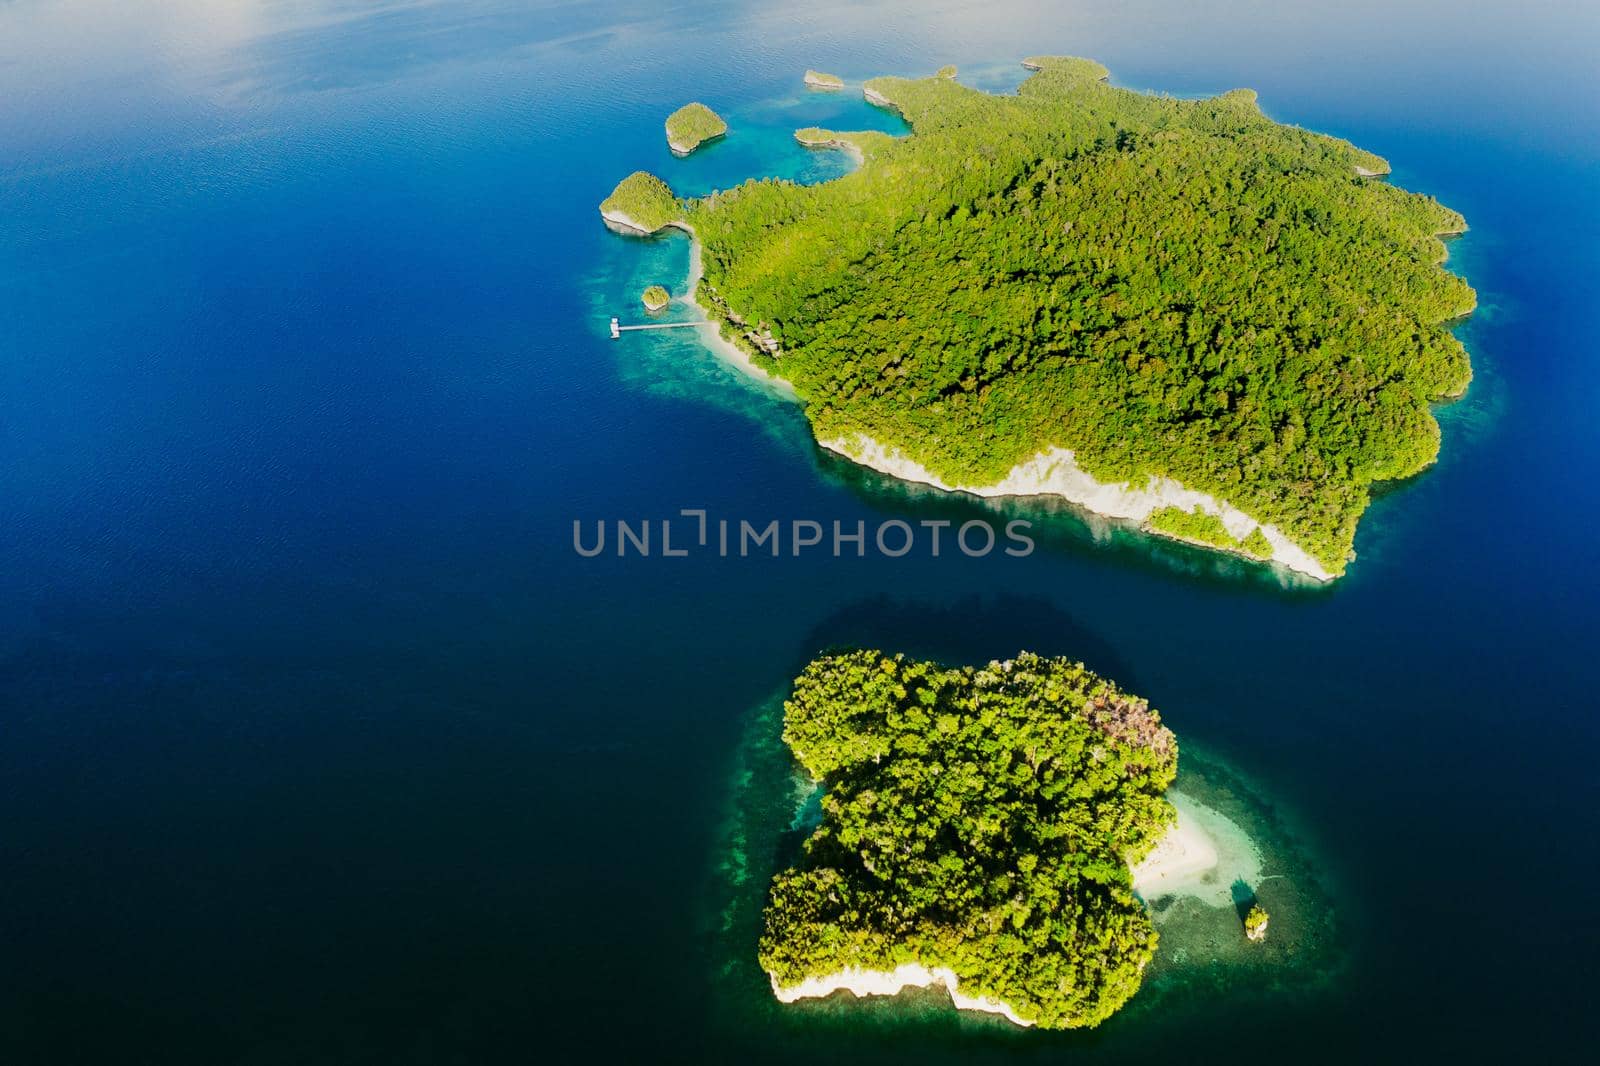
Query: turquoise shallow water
x,y
318,743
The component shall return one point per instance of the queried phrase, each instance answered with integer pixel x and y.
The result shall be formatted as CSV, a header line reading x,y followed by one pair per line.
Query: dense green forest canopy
x,y
976,819
1165,287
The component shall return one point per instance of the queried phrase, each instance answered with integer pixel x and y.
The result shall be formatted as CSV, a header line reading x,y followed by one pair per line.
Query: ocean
x,y
320,743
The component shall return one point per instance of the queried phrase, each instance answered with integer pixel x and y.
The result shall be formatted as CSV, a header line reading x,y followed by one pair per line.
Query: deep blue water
x,y
318,743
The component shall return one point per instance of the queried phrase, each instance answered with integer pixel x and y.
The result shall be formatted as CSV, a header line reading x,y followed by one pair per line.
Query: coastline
x,y
621,223
861,983
682,150
1184,852
1055,472
1183,863
834,142
1200,856
713,338
1194,542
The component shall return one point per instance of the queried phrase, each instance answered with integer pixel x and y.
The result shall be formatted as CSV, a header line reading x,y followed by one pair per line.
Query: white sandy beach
x,y
1182,857
719,344
622,222
1055,472
1201,856
892,982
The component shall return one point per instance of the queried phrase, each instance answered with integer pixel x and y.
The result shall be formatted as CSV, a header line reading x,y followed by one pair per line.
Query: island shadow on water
x,y
1204,958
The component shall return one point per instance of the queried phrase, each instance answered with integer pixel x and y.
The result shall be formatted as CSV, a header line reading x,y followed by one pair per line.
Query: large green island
x,y
1139,303
977,832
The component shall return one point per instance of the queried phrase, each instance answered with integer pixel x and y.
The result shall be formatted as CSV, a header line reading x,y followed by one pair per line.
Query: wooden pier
x,y
618,330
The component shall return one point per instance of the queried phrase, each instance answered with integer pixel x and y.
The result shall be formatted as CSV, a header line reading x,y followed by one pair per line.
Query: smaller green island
x,y
655,298
1255,923
691,126
641,204
978,831
816,79
1082,67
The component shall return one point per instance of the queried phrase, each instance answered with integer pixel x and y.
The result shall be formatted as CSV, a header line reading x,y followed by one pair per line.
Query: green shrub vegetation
x,y
1167,287
656,297
981,820
691,126
824,81
1257,544
645,200
1202,527
946,71
1199,526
